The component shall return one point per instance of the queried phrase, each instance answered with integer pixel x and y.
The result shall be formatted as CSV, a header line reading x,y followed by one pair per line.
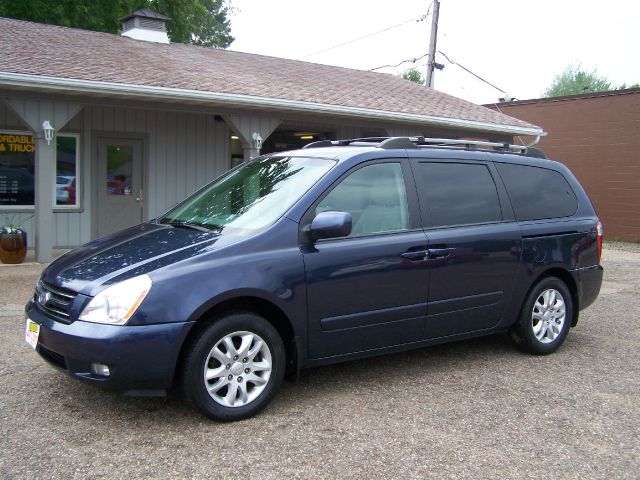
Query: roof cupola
x,y
147,25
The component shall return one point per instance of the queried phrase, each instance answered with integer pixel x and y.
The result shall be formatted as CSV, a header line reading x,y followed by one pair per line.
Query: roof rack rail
x,y
470,144
372,141
389,143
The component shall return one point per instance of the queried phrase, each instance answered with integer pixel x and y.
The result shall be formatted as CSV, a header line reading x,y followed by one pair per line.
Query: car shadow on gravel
x,y
430,361
81,401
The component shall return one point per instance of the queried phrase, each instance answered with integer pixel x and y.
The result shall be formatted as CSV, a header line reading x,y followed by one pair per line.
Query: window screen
x,y
537,193
375,196
457,193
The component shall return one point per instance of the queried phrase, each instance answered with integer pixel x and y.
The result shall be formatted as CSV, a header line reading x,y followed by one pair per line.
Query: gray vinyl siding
x,y
9,120
183,151
403,131
244,125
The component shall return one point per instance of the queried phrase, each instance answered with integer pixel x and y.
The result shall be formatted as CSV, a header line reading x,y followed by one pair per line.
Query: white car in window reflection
x,y
65,190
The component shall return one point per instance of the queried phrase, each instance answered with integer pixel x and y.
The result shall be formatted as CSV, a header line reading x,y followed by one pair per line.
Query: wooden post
x,y
432,43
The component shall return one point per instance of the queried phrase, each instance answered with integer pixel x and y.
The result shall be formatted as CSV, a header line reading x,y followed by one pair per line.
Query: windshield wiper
x,y
193,226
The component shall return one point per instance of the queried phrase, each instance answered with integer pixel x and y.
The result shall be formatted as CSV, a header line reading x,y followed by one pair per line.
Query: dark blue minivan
x,y
341,250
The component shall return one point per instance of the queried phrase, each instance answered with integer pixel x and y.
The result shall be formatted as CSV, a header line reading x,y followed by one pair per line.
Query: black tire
x,y
198,358
524,331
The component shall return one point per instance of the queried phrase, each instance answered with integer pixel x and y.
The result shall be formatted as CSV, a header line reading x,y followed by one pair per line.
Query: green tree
x,y
413,74
200,22
573,81
624,85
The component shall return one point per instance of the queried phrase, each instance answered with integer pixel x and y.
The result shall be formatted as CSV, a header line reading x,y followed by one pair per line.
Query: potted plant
x,y
13,241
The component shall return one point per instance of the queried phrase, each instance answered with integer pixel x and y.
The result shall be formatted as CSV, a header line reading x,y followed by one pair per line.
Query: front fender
x,y
269,267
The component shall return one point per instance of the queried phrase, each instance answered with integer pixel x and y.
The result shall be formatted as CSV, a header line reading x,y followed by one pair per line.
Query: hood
x,y
125,254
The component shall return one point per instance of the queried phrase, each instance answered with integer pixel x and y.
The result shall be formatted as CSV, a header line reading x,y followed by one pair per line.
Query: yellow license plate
x,y
32,331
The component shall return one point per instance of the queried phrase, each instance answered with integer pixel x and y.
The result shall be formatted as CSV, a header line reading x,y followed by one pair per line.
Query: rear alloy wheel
x,y
235,367
548,316
545,317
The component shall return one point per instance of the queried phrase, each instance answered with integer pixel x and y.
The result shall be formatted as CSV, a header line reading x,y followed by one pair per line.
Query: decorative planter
x,y
13,247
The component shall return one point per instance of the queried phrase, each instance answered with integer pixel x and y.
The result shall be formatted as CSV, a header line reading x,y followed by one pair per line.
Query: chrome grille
x,y
54,301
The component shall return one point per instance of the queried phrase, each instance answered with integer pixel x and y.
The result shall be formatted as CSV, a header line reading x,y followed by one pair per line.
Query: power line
x,y
469,71
414,60
482,79
500,111
419,19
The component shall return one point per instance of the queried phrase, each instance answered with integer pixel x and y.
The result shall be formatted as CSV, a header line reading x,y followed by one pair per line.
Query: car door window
x,y
457,193
375,197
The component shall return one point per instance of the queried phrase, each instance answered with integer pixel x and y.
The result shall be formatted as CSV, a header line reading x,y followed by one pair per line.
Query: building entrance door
x,y
119,193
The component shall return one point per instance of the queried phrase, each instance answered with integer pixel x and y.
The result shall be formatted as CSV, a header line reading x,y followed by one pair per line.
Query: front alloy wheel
x,y
238,369
234,366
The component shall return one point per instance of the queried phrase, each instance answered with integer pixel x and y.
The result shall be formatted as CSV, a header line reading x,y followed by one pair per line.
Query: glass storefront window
x,y
67,171
17,170
17,159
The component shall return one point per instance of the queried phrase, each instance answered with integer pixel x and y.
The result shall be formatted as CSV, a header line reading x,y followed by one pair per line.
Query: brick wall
x,y
598,137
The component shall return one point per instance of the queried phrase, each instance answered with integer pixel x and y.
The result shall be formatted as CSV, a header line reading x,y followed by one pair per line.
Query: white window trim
x,y
77,206
56,208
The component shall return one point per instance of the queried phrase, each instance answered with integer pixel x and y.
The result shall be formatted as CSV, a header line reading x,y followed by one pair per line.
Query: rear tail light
x,y
599,232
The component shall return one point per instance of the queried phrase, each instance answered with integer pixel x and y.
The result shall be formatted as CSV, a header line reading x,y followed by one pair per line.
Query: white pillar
x,y
245,125
34,111
45,173
250,152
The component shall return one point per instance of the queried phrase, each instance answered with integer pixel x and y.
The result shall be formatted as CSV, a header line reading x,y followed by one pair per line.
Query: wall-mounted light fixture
x,y
48,131
257,140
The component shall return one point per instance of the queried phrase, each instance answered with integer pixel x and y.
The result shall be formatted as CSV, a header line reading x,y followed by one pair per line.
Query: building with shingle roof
x,y
138,123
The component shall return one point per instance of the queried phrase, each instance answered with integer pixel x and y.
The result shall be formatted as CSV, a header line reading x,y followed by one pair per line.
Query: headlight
x,y
116,304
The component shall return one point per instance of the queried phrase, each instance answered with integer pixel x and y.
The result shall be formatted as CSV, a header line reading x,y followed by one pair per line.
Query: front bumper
x,y
141,359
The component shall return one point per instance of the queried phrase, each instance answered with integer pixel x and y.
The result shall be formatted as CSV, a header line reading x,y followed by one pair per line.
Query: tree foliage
x,y
413,74
624,85
573,80
200,22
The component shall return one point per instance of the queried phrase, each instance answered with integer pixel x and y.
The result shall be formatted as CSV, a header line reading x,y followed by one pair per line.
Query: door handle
x,y
415,255
440,252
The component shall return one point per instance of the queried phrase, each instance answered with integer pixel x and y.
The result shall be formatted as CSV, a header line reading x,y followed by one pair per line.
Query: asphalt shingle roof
x,y
53,51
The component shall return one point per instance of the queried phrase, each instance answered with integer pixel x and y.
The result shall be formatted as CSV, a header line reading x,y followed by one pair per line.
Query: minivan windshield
x,y
251,197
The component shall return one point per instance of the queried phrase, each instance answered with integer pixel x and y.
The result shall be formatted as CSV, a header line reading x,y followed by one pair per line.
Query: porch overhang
x,y
38,83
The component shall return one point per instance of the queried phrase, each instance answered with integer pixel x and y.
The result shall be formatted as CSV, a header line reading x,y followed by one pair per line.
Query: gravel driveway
x,y
473,409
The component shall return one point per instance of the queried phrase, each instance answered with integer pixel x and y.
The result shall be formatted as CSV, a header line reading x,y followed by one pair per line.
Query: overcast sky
x,y
517,45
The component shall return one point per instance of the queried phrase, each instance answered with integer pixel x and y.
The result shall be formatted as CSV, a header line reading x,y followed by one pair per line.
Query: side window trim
x,y
410,192
508,215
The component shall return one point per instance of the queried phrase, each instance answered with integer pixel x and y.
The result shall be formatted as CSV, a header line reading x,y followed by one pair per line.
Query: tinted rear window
x,y
538,193
457,193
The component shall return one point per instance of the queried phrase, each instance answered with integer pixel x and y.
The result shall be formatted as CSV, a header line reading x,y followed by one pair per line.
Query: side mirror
x,y
330,225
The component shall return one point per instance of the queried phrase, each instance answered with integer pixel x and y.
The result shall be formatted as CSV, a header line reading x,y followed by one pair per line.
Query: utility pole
x,y
431,64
